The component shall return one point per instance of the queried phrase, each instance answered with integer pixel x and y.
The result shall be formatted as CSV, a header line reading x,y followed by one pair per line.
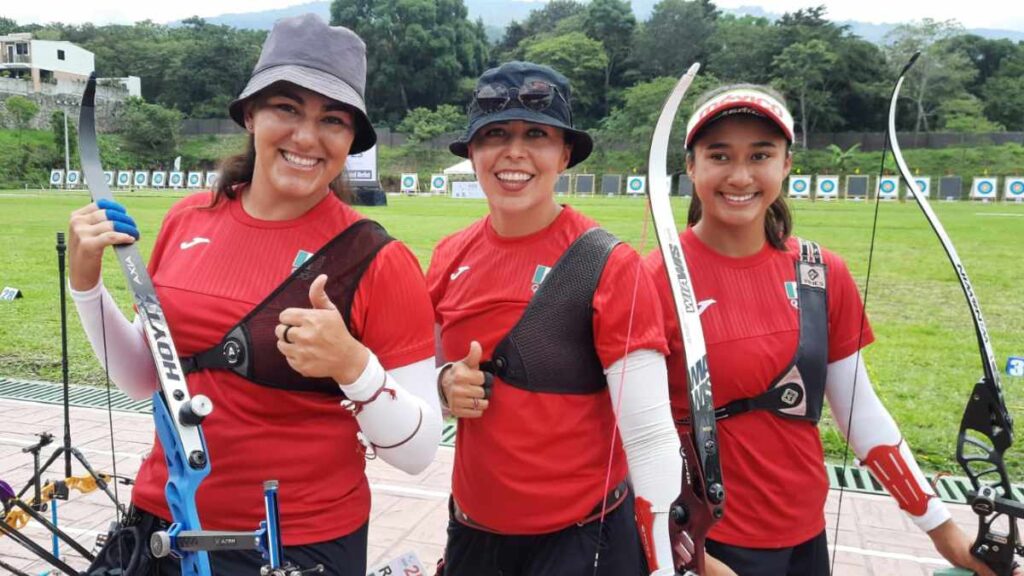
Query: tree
x,y
583,61
540,22
57,128
740,50
841,157
21,111
417,51
610,22
659,50
940,74
801,70
150,130
1004,92
966,114
7,26
422,124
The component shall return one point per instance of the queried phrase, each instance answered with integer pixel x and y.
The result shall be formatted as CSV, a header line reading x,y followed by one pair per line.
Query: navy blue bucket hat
x,y
329,60
528,92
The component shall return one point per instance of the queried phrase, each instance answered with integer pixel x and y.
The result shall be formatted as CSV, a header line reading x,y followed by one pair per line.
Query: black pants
x,y
807,559
568,552
127,553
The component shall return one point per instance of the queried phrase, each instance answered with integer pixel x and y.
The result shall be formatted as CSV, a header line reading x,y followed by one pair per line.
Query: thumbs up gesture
x,y
316,342
465,386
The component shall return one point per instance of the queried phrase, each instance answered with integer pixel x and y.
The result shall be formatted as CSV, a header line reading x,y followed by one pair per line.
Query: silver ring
x,y
284,336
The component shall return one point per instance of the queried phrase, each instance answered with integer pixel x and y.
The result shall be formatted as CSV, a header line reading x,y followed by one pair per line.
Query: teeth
x,y
514,176
300,160
735,198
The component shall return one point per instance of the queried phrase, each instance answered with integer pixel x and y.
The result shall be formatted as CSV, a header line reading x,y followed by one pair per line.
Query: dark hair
x,y
778,220
238,169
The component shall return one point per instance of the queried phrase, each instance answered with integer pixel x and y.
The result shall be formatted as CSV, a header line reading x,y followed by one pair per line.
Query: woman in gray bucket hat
x,y
558,331
307,326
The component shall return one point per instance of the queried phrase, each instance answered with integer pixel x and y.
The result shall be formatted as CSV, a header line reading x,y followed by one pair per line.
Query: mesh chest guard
x,y
249,349
551,347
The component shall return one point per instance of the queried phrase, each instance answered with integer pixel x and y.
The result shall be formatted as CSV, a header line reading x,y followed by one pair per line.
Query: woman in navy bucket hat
x,y
335,315
560,341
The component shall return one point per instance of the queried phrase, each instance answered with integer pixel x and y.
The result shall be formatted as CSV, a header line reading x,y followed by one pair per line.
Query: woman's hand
x,y
462,384
91,229
316,342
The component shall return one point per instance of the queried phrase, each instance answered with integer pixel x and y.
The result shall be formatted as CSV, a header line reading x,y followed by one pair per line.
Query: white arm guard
x,y
877,442
114,339
398,412
638,385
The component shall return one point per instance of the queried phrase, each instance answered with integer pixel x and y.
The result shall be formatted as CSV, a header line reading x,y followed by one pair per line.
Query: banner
x,y
888,187
799,186
362,167
410,183
439,184
983,188
636,185
827,187
469,189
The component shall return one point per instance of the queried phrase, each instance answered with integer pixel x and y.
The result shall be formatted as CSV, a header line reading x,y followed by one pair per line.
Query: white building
x,y
44,61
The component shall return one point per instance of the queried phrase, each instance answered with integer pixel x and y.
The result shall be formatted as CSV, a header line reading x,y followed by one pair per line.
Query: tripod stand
x,y
67,450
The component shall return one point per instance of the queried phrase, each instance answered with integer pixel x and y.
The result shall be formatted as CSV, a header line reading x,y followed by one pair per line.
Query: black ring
x,y
284,336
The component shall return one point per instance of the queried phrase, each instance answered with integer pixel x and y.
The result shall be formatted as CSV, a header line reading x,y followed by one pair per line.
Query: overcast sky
x,y
1002,14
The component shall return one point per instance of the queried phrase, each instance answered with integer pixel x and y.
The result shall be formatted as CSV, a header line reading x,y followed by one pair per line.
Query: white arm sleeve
x,y
648,437
129,361
404,427
873,426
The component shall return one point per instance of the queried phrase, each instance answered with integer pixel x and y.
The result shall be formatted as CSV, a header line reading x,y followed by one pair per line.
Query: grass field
x,y
924,362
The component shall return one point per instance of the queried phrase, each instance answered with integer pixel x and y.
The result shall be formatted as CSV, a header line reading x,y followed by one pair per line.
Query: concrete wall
x,y
109,99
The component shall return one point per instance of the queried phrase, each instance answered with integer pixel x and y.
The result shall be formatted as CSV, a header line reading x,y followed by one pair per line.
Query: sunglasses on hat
x,y
536,95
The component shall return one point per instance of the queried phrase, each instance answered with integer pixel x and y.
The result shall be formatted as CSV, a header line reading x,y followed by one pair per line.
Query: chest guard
x,y
249,349
799,391
551,347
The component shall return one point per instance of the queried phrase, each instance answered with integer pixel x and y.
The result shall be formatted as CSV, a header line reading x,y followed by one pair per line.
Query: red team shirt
x,y
751,327
535,462
210,268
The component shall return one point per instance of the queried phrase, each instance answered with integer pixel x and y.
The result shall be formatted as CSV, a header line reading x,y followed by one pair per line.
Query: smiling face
x,y
301,140
517,164
737,166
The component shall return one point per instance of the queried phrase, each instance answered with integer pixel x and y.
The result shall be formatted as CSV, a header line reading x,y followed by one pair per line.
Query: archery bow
x,y
178,416
986,429
701,502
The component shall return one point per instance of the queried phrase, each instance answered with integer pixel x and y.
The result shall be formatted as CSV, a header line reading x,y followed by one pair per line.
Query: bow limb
x,y
177,414
986,429
702,499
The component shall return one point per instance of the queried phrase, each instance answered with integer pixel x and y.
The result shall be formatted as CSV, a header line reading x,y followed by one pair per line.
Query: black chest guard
x,y
799,391
551,347
249,349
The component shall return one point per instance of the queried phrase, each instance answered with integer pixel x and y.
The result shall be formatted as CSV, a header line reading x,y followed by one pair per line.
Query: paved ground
x,y
409,513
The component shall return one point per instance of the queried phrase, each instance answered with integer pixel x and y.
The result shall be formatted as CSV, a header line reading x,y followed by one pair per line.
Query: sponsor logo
x,y
194,242
458,272
791,293
300,258
704,305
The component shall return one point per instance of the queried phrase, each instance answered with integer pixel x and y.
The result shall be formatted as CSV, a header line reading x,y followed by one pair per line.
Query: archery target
x,y
799,186
410,182
888,187
195,179
439,184
124,178
56,177
983,188
159,179
827,187
1014,189
141,178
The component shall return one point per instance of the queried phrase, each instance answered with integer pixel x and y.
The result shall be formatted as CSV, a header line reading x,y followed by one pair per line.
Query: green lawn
x,y
924,362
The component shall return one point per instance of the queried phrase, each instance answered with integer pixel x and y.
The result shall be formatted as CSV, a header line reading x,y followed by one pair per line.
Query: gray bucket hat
x,y
512,78
329,60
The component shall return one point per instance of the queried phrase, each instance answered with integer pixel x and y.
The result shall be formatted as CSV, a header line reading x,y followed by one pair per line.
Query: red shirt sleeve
x,y
391,312
848,326
627,314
